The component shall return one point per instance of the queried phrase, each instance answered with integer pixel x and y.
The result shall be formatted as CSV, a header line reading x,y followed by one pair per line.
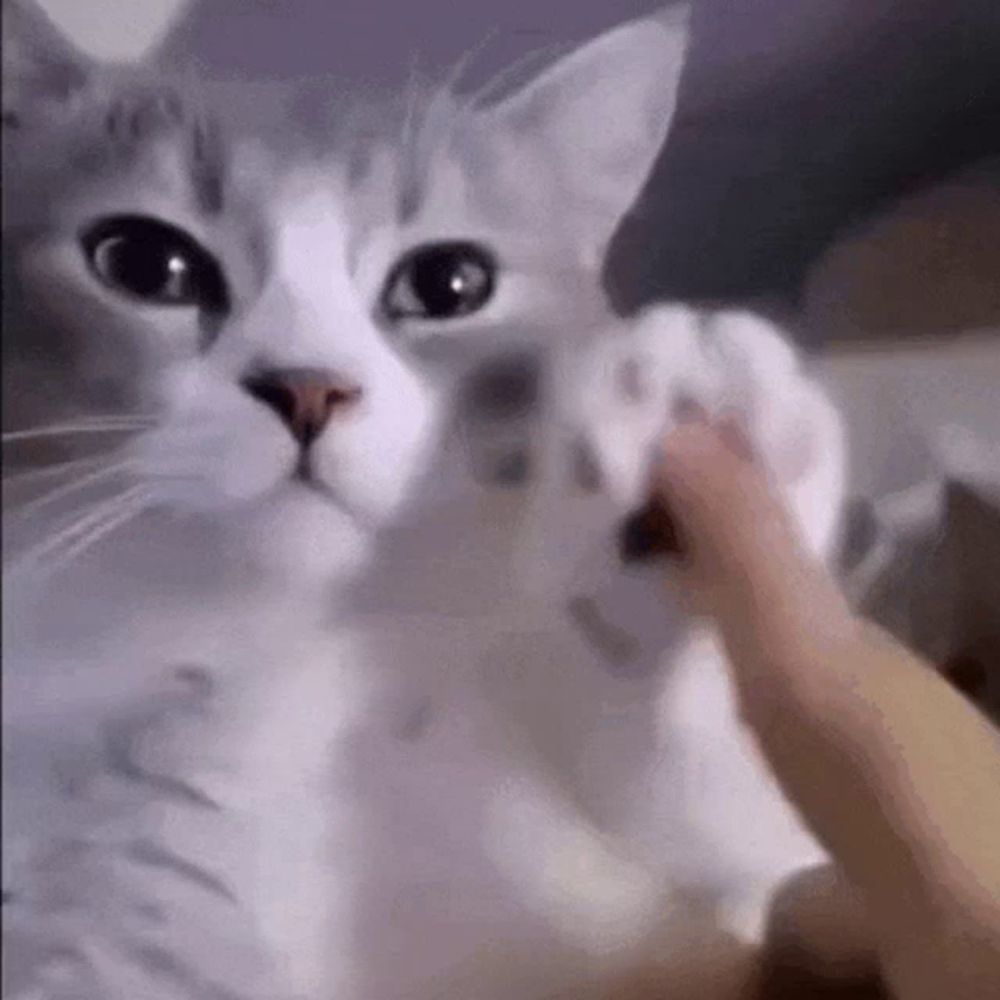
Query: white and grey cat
x,y
325,676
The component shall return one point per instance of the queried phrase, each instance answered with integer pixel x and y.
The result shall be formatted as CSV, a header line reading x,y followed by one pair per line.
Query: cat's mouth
x,y
305,479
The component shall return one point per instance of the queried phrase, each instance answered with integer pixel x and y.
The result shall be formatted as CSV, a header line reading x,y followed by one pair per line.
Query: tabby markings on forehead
x,y
138,119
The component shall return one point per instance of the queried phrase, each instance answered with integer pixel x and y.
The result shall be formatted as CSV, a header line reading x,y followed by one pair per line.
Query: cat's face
x,y
273,312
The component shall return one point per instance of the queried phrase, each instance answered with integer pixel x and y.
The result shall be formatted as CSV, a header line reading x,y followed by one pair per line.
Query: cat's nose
x,y
305,398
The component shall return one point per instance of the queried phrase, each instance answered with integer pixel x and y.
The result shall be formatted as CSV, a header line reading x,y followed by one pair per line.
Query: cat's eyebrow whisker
x,y
454,76
411,102
109,426
132,500
81,482
444,100
419,121
497,82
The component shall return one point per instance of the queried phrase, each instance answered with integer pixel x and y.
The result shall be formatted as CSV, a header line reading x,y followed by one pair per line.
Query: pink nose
x,y
305,398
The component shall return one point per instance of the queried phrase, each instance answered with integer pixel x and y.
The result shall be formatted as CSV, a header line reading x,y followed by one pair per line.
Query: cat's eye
x,y
440,281
154,262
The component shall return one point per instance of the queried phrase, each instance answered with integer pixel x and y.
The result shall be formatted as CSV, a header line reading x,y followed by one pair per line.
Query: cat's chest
x,y
455,708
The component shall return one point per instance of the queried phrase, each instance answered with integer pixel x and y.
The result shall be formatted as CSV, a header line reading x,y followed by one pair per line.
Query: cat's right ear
x,y
597,118
40,68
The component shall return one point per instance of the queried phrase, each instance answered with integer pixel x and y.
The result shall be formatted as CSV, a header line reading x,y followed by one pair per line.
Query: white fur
x,y
221,447
712,776
415,776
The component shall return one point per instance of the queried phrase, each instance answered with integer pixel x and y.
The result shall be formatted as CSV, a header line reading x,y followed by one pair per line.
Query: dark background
x,y
797,117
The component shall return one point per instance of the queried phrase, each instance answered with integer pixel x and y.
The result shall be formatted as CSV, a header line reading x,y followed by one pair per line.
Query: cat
x,y
326,679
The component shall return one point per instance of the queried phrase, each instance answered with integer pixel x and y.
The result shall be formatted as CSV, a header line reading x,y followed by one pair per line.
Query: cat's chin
x,y
301,536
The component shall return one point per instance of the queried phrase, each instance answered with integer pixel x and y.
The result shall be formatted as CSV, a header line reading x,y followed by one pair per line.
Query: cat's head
x,y
267,305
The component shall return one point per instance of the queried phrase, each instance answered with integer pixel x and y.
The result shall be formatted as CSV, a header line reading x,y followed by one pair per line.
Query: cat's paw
x,y
745,914
674,364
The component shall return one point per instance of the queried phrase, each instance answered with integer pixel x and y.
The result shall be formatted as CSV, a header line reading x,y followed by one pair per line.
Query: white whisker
x,y
97,427
84,523
54,470
88,419
66,489
127,415
112,523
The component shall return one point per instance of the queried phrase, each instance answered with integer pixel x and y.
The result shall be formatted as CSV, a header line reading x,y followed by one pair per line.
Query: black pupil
x,y
152,260
147,267
450,281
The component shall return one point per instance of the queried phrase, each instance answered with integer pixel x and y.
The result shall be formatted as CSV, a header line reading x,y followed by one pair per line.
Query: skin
x,y
836,704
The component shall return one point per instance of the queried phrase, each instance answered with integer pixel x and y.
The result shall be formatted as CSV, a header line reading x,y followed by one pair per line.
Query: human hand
x,y
895,772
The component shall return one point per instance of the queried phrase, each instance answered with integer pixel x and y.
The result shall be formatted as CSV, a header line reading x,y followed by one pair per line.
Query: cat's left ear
x,y
40,67
600,115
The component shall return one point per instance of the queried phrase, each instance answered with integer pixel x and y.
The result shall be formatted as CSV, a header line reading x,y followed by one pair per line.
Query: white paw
x,y
671,362
593,895
745,915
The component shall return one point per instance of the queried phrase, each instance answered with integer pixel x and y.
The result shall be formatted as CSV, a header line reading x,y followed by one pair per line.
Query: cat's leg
x,y
473,871
633,386
709,801
705,811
